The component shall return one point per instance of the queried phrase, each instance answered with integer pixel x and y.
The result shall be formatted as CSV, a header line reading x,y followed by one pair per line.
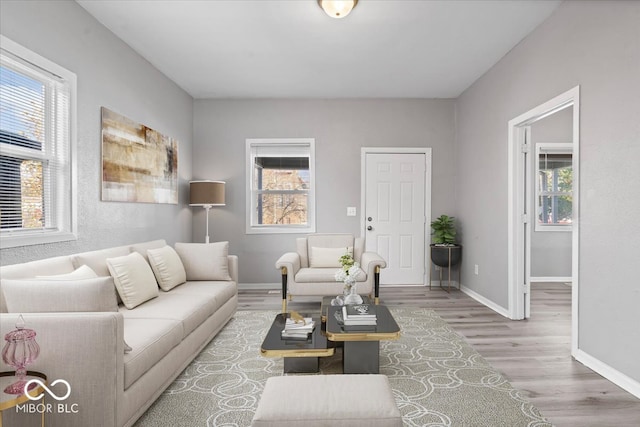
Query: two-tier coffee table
x,y
300,356
361,349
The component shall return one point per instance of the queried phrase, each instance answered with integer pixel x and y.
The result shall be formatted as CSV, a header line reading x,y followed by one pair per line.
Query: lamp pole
x,y
207,208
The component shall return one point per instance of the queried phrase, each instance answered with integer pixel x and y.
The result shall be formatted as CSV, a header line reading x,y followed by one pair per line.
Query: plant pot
x,y
440,255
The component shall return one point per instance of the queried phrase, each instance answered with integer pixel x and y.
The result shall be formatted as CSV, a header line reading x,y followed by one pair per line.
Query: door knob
x,y
369,219
369,228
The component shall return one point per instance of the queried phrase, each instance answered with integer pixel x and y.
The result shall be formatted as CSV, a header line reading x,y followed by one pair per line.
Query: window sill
x,y
36,239
553,228
280,230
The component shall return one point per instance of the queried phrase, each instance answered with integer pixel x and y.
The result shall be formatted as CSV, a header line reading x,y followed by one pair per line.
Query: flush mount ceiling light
x,y
337,8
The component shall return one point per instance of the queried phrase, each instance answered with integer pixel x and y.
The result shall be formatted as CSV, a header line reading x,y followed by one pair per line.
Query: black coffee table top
x,y
275,346
385,329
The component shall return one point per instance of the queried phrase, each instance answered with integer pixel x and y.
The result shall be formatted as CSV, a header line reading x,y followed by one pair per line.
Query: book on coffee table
x,y
295,335
291,324
361,311
357,320
297,330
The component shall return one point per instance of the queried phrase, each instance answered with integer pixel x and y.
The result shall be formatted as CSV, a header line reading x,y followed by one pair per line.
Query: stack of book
x,y
298,330
359,315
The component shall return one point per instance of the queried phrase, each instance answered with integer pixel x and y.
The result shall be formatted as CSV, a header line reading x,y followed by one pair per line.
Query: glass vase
x,y
351,295
20,350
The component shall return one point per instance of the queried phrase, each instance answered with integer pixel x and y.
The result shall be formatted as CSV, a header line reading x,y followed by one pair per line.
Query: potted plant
x,y
444,250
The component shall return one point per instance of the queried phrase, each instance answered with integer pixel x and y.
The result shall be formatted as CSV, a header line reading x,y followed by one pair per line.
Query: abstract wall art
x,y
139,164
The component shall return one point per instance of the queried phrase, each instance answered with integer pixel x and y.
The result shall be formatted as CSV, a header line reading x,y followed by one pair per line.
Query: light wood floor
x,y
533,354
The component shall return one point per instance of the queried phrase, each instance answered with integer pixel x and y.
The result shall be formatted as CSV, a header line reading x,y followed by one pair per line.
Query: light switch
x,y
351,211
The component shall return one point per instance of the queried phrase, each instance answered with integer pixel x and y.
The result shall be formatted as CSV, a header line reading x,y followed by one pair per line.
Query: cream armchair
x,y
311,269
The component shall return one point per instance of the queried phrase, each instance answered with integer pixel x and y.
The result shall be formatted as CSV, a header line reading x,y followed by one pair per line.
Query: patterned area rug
x,y
437,378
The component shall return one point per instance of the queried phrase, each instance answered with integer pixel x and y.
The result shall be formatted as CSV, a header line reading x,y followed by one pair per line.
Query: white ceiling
x,y
291,49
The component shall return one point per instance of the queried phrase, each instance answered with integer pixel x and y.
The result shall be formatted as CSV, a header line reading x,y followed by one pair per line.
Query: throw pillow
x,y
48,296
167,267
83,272
134,279
327,257
205,261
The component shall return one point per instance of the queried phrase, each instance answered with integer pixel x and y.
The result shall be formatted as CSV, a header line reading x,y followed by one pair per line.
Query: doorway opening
x,y
522,216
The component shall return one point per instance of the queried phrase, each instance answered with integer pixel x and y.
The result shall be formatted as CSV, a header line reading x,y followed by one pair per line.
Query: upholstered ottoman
x,y
327,400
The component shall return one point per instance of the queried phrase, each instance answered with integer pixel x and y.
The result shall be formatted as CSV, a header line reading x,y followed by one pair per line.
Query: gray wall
x,y
109,74
340,128
550,250
596,45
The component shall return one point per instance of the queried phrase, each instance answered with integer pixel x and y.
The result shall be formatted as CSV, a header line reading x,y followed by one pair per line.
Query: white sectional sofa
x,y
82,330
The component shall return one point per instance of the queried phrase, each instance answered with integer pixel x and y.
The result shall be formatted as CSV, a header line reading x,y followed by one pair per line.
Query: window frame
x,y
279,144
63,199
555,148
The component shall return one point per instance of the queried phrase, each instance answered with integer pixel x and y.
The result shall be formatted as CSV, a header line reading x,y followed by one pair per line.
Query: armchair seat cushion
x,y
314,275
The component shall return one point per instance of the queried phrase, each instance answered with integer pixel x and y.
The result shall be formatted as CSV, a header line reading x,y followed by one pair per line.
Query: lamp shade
x,y
206,193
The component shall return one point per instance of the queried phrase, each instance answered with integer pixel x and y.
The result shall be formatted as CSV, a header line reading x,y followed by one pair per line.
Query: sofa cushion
x,y
221,292
151,340
205,261
167,267
191,310
133,279
45,296
142,248
56,265
82,272
97,260
327,257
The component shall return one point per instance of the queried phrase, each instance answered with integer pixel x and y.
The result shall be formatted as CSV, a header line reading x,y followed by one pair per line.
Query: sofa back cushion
x,y
97,260
82,272
205,261
133,278
142,248
167,267
327,257
27,270
58,295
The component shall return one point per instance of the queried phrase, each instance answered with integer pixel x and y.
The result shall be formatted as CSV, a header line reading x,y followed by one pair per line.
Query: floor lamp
x,y
206,194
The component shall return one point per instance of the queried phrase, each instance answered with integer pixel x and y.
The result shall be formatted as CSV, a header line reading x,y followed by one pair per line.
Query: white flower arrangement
x,y
349,271
348,276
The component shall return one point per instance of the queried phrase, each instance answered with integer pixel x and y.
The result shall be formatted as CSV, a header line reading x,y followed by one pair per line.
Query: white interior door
x,y
394,214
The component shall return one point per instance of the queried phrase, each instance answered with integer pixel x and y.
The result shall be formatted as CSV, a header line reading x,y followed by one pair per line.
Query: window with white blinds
x,y
36,140
281,178
554,186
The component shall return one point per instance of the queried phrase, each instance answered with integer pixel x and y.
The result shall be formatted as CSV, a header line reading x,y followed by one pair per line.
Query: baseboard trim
x,y
444,284
552,279
618,378
487,302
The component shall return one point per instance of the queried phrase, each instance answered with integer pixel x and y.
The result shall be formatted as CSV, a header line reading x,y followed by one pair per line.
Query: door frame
x,y
427,190
518,271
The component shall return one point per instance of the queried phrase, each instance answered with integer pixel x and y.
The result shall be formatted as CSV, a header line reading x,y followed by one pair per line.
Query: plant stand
x,y
448,266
